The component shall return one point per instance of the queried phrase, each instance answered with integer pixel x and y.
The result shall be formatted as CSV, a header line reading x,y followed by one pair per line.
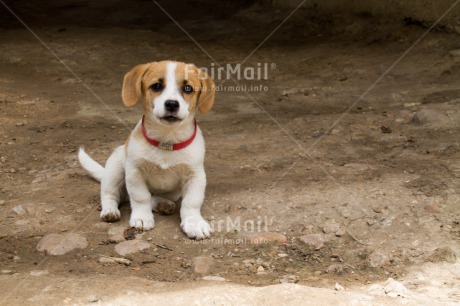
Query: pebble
x,y
39,272
338,287
202,265
335,131
282,255
341,231
20,124
260,269
432,208
331,228
289,279
19,210
411,104
131,246
377,259
213,278
429,116
394,289
59,244
117,234
106,260
2,202
314,241
262,237
9,272
92,299
337,269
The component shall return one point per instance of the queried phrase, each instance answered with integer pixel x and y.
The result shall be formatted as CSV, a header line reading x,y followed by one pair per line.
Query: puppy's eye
x,y
187,89
156,87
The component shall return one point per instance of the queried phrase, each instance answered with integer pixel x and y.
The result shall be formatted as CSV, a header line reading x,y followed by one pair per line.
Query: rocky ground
x,y
352,178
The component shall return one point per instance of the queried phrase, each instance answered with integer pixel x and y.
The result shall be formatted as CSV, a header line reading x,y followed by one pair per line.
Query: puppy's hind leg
x,y
162,205
165,204
112,185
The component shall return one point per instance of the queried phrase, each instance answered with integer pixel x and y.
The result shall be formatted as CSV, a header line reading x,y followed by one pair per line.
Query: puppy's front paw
x,y
196,227
143,222
110,214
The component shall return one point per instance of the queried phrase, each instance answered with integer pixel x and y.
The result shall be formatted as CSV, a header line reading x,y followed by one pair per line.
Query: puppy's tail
x,y
90,165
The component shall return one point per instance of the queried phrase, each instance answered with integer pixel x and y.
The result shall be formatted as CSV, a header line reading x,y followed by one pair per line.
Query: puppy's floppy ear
x,y
132,90
207,92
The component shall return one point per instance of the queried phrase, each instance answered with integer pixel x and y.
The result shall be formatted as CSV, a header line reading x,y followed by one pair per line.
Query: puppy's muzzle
x,y
171,107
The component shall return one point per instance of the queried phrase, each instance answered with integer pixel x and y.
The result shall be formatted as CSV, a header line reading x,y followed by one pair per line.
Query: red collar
x,y
166,145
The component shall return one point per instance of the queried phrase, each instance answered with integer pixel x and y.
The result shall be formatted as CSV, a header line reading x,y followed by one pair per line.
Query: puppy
x,y
162,159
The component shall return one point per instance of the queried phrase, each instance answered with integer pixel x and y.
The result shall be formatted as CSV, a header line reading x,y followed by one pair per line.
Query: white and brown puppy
x,y
162,160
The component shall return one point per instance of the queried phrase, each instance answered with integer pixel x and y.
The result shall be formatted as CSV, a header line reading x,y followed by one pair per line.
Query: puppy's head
x,y
171,91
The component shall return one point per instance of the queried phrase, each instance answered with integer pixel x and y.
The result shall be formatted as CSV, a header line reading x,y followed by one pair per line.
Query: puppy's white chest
x,y
162,180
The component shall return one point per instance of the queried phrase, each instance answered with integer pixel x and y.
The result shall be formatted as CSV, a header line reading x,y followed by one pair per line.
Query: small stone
x,y
247,265
39,272
338,287
411,104
335,131
377,209
19,210
429,116
394,289
331,228
59,244
337,269
262,237
340,232
386,129
314,241
117,234
92,299
131,246
289,279
370,222
213,278
9,272
260,269
432,208
106,260
20,124
282,255
202,264
377,259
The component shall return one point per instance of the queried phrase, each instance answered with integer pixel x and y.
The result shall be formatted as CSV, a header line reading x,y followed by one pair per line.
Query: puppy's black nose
x,y
171,105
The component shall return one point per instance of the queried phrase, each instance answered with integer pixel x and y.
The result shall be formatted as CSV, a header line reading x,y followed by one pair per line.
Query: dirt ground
x,y
324,146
